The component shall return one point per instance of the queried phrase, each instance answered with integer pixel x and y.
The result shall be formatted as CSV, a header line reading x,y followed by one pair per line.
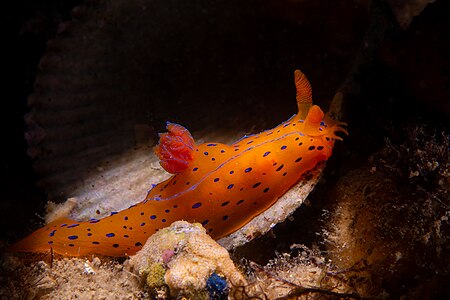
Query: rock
x,y
189,261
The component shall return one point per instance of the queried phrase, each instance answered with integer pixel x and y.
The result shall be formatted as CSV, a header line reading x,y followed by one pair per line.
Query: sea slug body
x,y
220,186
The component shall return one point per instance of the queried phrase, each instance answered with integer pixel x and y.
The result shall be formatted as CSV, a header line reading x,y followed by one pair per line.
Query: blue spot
x,y
211,145
283,147
248,170
167,210
197,205
63,225
126,218
217,287
213,159
113,213
267,153
73,225
72,237
52,233
89,234
143,224
322,123
206,153
195,169
92,221
231,172
163,220
230,186
286,125
153,217
110,235
205,222
222,151
249,142
50,242
216,179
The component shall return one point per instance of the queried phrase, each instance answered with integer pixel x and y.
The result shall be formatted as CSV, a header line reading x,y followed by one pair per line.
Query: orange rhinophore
x,y
221,186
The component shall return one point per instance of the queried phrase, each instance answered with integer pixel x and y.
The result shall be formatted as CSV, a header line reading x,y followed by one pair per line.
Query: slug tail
x,y
42,239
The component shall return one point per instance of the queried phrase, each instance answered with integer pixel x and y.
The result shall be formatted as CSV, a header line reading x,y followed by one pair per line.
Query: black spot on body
x,y
320,148
256,184
267,153
230,186
72,237
225,218
266,190
280,168
138,244
239,202
96,243
197,205
248,170
283,147
153,217
298,159
115,245
225,203
71,245
216,179
311,148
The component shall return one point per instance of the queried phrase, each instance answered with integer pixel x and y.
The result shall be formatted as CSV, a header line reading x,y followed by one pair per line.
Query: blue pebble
x,y
217,287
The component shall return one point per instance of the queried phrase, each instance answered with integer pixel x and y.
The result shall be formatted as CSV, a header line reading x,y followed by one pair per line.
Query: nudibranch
x,y
221,186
